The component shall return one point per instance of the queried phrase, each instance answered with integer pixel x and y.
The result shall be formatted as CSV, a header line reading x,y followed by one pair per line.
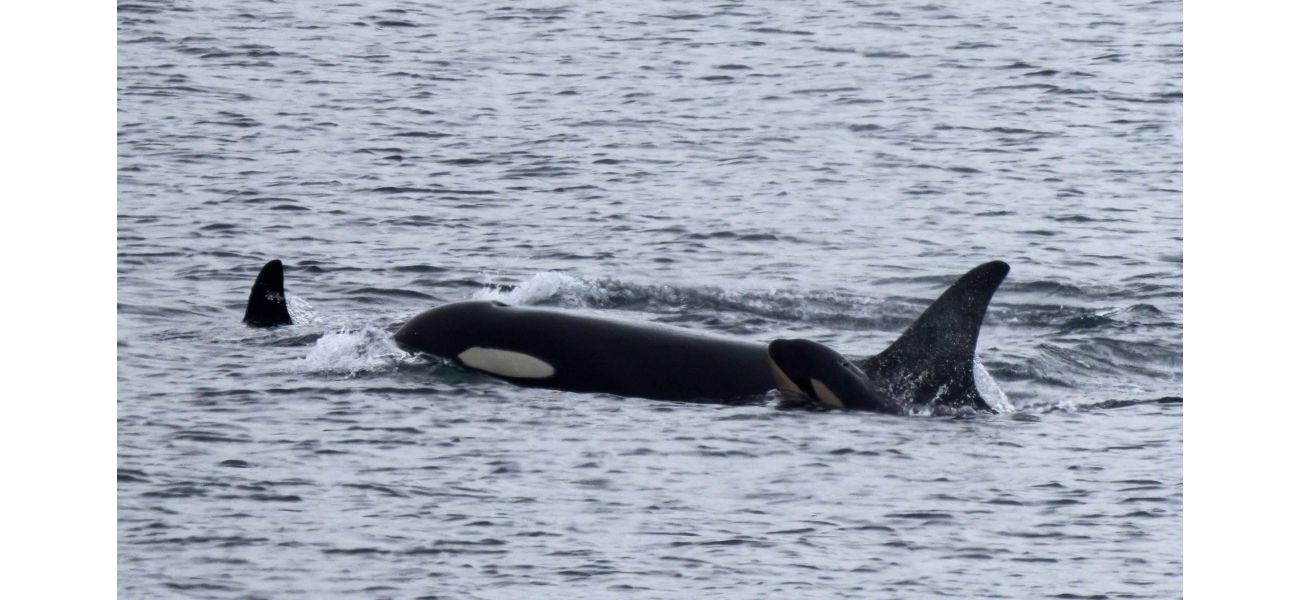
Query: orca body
x,y
537,347
931,365
810,370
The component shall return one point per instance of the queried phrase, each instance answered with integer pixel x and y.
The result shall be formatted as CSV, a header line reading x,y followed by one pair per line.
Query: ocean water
x,y
759,170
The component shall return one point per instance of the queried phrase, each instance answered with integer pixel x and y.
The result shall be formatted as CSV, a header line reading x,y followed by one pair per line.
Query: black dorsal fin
x,y
933,362
266,302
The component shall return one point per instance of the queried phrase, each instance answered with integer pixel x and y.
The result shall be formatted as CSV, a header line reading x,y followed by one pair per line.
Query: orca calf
x,y
930,365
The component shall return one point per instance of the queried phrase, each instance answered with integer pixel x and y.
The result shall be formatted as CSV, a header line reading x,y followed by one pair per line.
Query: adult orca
x,y
931,365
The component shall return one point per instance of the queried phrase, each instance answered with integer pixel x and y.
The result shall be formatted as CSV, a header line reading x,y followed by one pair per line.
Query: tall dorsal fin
x,y
266,303
933,362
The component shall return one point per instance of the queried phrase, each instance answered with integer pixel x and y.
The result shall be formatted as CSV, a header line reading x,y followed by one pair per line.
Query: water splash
x,y
300,310
989,389
352,352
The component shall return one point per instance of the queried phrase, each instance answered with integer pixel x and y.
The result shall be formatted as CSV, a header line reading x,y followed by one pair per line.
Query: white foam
x,y
989,389
300,310
351,352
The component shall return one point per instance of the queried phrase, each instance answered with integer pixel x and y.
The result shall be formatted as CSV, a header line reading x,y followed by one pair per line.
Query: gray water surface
x,y
758,170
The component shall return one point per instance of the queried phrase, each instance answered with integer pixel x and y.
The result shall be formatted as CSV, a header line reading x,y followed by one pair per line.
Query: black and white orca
x,y
931,365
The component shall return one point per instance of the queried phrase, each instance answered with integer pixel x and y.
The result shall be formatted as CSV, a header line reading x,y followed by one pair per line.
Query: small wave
x,y
1129,317
1134,402
1029,412
1089,321
1092,363
825,308
547,287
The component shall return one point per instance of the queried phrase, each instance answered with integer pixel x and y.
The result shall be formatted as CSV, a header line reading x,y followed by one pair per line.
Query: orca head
x,y
471,334
445,330
812,370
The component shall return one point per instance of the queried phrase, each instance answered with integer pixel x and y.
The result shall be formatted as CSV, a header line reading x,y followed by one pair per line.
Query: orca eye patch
x,y
506,363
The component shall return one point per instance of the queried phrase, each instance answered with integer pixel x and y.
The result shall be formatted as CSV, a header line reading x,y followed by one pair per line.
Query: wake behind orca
x,y
931,365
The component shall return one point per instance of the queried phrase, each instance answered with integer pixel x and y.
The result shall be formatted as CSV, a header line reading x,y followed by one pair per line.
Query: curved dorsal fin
x,y
932,363
266,303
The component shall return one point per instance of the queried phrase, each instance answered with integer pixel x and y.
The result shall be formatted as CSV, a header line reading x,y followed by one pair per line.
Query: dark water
x,y
804,169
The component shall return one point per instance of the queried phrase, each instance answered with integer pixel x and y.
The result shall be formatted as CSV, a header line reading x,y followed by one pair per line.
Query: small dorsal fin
x,y
932,363
266,302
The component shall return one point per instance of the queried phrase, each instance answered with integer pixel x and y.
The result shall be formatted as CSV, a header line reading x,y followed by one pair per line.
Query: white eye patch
x,y
826,396
506,363
783,381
